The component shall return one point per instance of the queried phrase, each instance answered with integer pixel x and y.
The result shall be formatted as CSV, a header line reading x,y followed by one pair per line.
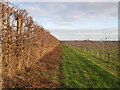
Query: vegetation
x,y
104,54
30,57
24,44
107,50
78,71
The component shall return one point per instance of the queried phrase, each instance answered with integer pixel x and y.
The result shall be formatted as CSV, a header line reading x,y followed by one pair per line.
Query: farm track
x,y
79,72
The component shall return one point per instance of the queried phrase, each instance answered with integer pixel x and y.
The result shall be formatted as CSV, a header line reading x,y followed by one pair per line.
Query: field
x,y
79,70
31,57
104,54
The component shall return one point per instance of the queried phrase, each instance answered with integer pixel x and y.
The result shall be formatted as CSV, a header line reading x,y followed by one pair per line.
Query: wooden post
x,y
108,56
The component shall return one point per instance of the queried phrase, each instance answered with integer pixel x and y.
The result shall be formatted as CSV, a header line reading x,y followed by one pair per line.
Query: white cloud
x,y
77,11
70,15
36,10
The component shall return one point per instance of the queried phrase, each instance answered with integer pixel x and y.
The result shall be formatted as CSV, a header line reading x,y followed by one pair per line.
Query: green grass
x,y
110,65
80,72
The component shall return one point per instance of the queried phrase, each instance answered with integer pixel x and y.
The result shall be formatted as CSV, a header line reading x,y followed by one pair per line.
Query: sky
x,y
76,20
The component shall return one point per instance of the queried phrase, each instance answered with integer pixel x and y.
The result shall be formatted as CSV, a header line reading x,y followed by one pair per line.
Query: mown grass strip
x,y
109,65
79,72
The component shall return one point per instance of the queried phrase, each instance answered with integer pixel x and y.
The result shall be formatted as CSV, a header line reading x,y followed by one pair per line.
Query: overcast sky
x,y
76,20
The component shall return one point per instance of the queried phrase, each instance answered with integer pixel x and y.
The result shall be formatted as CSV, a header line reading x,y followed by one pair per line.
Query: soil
x,y
44,74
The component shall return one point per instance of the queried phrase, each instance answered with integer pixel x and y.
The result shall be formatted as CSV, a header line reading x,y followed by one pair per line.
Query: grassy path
x,y
80,72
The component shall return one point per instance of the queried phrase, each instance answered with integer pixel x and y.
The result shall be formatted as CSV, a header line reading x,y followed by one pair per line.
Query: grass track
x,y
79,72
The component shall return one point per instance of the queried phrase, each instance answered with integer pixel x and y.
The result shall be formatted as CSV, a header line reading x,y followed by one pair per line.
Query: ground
x,y
45,73
73,70
79,71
